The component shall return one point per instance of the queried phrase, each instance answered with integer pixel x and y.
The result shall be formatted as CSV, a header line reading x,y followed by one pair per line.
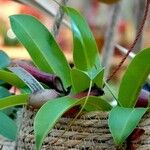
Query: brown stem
x,y
134,43
51,80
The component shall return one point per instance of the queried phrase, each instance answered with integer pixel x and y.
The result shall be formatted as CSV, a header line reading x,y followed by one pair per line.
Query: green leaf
x,y
98,79
85,52
41,46
48,115
80,80
97,104
11,78
134,79
8,128
4,92
122,121
4,60
13,101
25,90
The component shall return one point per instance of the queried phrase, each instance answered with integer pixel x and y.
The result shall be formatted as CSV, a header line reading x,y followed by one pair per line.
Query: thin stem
x,y
134,43
72,121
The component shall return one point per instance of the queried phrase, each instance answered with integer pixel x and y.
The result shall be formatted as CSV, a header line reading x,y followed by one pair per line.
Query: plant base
x,y
88,132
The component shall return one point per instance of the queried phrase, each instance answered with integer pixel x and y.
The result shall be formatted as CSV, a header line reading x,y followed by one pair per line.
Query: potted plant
x,y
63,106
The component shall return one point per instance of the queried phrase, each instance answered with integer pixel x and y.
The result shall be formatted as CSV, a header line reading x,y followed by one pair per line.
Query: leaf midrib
x,y
126,124
58,117
37,46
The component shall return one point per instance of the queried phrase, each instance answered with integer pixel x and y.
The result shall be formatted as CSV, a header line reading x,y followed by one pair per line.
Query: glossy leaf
x,y
4,60
13,101
85,52
41,46
80,80
4,92
134,79
48,115
8,128
11,78
122,121
96,104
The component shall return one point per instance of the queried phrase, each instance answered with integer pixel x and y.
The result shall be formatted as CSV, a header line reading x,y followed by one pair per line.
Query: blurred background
x,y
112,25
97,14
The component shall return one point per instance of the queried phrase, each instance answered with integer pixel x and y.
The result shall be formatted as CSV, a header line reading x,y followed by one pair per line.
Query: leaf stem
x,y
51,80
72,121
